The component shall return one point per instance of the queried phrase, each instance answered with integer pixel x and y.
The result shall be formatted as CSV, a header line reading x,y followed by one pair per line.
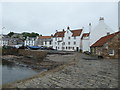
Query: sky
x,y
47,17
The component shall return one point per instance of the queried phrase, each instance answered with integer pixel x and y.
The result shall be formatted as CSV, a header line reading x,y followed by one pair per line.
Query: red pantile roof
x,y
85,35
45,37
75,33
103,40
59,34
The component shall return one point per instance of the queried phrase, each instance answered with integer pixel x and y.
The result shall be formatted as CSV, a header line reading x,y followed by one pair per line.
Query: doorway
x,y
77,49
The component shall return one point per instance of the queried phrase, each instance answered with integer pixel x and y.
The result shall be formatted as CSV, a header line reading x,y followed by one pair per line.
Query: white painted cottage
x,y
85,42
99,31
68,40
30,41
44,41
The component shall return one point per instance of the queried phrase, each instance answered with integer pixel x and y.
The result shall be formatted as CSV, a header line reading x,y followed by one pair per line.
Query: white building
x,y
4,40
85,42
99,31
44,41
30,41
68,40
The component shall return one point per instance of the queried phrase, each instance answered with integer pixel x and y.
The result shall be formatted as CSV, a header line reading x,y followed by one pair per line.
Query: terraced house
x,y
68,40
44,41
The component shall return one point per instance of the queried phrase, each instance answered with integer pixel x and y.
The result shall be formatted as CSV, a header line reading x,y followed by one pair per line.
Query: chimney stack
x,y
52,35
89,27
101,19
56,31
68,28
63,30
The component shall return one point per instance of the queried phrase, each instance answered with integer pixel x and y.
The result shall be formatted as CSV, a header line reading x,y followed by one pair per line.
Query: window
x,y
73,48
63,43
68,37
55,42
63,48
66,47
50,42
45,42
58,43
74,37
111,52
55,38
74,43
68,43
58,47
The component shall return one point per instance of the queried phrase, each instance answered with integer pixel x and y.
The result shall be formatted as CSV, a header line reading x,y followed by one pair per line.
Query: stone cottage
x,y
107,46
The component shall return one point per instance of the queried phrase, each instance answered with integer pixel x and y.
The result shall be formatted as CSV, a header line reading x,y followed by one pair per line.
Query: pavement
x,y
79,73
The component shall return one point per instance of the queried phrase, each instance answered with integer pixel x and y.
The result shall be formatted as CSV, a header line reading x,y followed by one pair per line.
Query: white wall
x,y
67,34
29,42
47,44
85,44
99,31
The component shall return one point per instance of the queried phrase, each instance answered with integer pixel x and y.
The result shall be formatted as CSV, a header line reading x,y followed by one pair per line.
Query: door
x,y
77,48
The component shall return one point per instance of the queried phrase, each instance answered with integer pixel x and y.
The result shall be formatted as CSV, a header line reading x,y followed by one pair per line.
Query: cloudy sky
x,y
47,17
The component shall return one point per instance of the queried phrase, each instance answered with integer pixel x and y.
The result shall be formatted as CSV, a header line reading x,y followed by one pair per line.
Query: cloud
x,y
45,18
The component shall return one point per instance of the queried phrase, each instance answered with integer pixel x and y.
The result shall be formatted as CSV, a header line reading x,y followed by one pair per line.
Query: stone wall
x,y
33,54
10,51
113,44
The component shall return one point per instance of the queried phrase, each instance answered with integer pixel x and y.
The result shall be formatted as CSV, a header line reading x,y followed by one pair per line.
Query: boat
x,y
34,47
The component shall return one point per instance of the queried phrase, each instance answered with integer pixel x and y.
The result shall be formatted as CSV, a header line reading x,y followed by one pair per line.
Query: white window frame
x,y
113,52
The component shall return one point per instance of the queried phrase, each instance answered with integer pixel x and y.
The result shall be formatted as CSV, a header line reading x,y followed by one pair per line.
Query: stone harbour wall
x,y
33,54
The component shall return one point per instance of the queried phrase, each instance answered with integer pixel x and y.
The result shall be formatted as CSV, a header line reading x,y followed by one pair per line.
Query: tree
x,y
10,34
26,34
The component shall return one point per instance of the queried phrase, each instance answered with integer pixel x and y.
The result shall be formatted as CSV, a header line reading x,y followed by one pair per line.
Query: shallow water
x,y
12,72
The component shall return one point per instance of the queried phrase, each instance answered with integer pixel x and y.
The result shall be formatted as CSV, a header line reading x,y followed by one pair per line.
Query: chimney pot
x,y
89,24
101,18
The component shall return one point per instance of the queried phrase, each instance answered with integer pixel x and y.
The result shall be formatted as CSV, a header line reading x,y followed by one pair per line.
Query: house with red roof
x,y
100,30
44,41
68,40
107,46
